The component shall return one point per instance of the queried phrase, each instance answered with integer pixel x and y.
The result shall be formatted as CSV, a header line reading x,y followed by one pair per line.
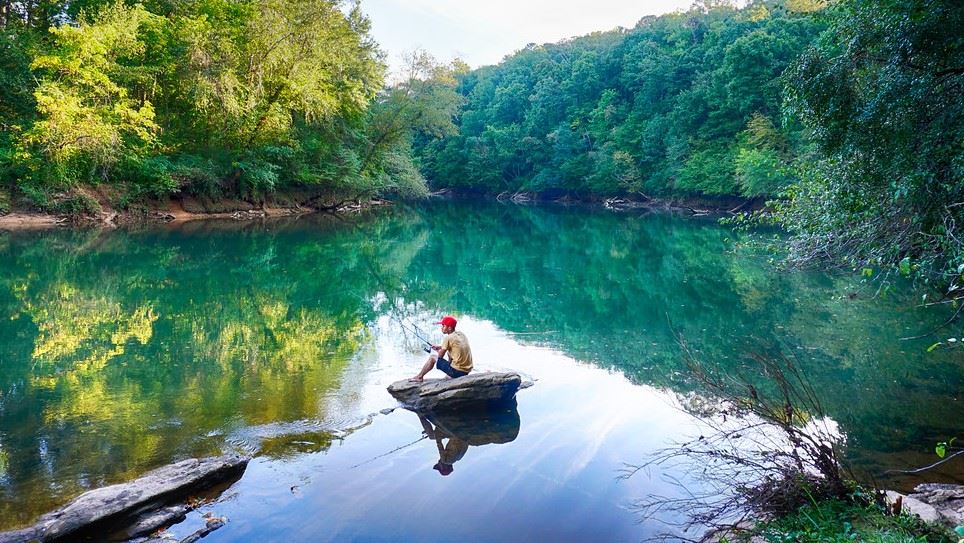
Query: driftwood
x,y
477,390
138,505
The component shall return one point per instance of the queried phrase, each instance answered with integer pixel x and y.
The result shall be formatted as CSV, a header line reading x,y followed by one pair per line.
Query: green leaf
x,y
934,346
867,272
941,449
904,266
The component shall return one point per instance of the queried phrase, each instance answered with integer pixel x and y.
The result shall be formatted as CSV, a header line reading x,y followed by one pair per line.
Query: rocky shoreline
x,y
187,208
693,205
134,510
932,502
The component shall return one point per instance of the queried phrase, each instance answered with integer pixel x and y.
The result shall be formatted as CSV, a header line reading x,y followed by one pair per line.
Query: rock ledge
x,y
112,505
934,503
477,390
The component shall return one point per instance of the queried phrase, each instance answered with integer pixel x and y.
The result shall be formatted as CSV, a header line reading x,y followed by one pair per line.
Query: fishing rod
x,y
414,329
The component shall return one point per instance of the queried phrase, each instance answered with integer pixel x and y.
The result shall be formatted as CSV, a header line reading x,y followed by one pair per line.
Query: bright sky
x,y
482,32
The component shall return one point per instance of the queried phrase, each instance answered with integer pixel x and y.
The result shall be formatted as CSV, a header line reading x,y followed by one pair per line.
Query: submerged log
x,y
113,506
472,391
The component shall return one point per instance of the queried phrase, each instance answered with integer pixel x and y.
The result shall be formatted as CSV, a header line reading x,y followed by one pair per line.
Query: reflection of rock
x,y
472,391
455,432
127,503
485,427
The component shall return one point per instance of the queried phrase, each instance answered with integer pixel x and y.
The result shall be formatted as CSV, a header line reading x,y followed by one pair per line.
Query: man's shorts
x,y
445,367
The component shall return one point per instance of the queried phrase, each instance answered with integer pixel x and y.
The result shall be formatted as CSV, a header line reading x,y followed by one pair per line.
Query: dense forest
x,y
846,116
218,98
687,103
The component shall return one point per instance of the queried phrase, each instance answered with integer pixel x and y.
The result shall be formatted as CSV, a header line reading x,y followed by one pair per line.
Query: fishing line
x,y
395,450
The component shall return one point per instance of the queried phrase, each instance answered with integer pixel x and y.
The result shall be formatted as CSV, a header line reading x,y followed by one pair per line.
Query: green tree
x,y
657,109
87,121
881,95
423,104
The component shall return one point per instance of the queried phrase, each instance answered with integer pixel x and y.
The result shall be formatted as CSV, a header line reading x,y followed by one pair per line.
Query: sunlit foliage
x,y
86,120
213,98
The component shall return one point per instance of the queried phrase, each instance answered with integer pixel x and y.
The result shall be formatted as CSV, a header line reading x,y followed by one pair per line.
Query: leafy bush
x,y
837,521
881,95
151,176
76,205
760,172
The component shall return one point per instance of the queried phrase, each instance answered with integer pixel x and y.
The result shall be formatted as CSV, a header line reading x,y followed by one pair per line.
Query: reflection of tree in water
x,y
122,352
138,344
615,290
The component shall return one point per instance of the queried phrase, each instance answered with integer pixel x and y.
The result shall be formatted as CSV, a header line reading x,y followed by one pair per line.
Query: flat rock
x,y
947,499
475,390
117,502
912,506
153,520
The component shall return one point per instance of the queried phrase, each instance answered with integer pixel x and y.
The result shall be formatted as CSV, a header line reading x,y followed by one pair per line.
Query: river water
x,y
124,350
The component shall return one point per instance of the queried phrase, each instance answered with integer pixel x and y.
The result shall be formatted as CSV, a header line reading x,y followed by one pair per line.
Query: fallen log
x,y
477,390
116,506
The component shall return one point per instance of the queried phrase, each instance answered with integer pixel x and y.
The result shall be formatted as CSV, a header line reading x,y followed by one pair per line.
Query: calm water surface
x,y
124,350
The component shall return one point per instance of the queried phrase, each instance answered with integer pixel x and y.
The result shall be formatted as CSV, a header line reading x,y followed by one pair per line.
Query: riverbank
x,y
696,205
934,513
97,209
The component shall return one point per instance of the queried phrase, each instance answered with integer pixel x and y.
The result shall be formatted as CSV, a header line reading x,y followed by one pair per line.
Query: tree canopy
x,y
682,104
845,115
881,94
212,97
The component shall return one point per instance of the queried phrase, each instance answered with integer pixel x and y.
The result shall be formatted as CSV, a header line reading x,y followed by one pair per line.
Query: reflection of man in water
x,y
449,453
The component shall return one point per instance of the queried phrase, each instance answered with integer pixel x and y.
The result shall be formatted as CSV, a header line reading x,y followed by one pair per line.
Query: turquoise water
x,y
124,350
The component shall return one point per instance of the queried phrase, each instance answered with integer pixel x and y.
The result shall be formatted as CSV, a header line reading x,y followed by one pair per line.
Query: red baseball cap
x,y
448,320
444,469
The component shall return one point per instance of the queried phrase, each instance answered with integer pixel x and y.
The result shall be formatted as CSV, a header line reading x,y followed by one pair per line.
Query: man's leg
x,y
429,364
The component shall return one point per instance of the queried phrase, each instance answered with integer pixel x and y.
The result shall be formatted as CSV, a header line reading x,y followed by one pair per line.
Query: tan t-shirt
x,y
454,450
460,354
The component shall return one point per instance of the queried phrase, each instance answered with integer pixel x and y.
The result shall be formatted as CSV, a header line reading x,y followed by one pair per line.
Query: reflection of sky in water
x,y
557,481
123,351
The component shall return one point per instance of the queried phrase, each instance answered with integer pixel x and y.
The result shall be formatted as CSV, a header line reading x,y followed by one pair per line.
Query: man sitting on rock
x,y
456,345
